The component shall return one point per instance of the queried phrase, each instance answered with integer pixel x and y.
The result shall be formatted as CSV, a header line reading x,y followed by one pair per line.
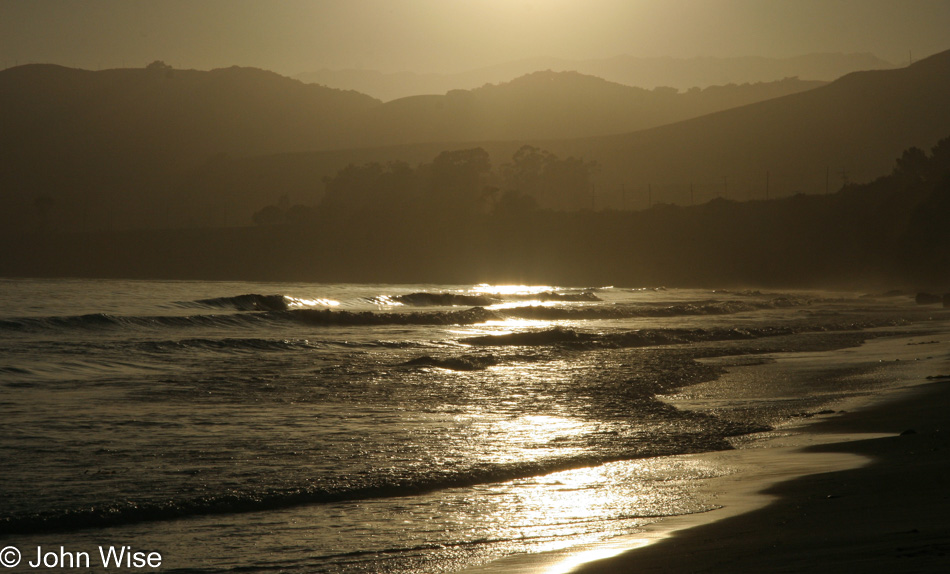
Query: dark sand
x,y
892,515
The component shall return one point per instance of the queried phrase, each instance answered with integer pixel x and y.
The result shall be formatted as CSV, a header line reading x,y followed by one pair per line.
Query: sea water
x,y
372,428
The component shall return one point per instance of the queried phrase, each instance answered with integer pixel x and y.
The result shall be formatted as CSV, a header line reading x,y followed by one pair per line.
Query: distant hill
x,y
111,147
811,142
554,105
680,73
176,115
846,131
102,142
888,231
159,147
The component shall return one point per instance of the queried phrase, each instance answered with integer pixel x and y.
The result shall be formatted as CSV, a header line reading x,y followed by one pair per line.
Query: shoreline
x,y
885,516
837,492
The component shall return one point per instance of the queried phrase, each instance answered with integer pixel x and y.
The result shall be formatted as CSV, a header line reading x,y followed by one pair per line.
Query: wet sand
x,y
866,489
890,515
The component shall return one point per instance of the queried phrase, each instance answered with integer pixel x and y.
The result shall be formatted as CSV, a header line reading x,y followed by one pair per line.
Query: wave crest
x,y
247,302
461,363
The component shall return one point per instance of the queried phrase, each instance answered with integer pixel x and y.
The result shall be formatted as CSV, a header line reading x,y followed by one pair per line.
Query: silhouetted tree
x,y
160,67
459,179
940,159
665,91
526,172
913,163
371,187
553,182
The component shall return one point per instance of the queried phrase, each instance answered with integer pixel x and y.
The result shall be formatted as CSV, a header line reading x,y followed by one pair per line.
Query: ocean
x,y
242,427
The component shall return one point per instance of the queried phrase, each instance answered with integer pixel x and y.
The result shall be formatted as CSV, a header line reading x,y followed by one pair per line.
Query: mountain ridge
x,y
801,142
552,105
811,142
90,137
648,73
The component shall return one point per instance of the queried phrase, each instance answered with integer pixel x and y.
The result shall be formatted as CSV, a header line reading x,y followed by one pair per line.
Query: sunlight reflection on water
x,y
511,289
541,513
526,303
395,447
303,303
511,325
525,438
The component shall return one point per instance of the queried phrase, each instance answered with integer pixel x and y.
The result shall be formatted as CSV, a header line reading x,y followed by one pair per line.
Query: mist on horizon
x,y
430,36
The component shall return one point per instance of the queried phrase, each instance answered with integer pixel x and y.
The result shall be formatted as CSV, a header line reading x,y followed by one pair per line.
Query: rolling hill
x,y
888,230
133,147
554,105
680,73
811,142
104,144
849,130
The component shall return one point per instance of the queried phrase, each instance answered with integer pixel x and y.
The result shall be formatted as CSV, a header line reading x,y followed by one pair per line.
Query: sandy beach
x,y
861,488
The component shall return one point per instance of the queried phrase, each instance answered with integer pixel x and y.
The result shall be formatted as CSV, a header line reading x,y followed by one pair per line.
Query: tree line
x,y
455,220
455,183
523,223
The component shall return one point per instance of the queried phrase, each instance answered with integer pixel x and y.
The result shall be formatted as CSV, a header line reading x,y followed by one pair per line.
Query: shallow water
x,y
374,428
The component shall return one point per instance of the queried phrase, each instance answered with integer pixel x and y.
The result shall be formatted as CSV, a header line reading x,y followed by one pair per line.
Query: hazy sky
x,y
293,36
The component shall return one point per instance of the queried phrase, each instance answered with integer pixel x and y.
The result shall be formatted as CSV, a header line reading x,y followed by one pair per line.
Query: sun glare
x,y
301,303
511,289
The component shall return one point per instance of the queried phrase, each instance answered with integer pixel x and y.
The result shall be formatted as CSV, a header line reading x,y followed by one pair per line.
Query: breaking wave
x,y
232,502
258,309
257,302
248,302
424,299
462,363
449,299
